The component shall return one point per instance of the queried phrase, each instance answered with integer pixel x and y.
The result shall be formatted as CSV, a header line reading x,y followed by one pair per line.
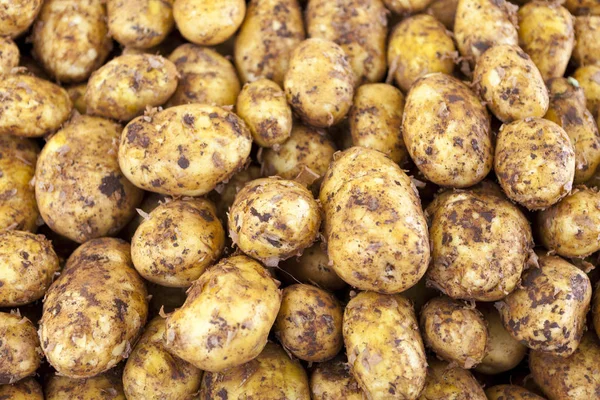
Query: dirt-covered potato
x,y
588,78
106,386
184,150
384,347
447,131
534,162
16,16
263,106
271,30
226,319
208,22
77,96
140,23
151,373
177,242
405,7
333,380
9,55
587,46
445,381
583,7
510,392
95,311
547,313
71,39
19,347
25,389
225,196
359,27
444,11
319,83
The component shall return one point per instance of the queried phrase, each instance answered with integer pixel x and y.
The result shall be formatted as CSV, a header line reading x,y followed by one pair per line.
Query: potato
x,y
583,7
206,77
20,348
107,386
534,162
140,23
152,373
226,319
359,27
575,377
184,150
372,210
263,106
103,200
16,16
71,39
18,209
444,11
319,83
588,78
25,389
376,120
208,22
228,191
94,311
510,392
587,48
547,313
447,131
404,7
77,96
384,348
31,106
9,55
446,381
177,242
273,375
419,45
333,380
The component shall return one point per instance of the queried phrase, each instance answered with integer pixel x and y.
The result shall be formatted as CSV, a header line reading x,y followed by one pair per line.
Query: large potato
x,y
446,381
140,23
587,46
405,7
107,386
9,55
19,347
447,131
184,150
333,380
226,319
588,78
94,311
16,16
444,11
384,348
25,389
510,392
208,22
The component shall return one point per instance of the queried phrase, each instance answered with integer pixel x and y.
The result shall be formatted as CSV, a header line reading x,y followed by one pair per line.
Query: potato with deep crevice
x,y
208,22
20,348
16,16
107,386
588,78
587,47
140,23
9,55
333,380
510,392
446,381
25,389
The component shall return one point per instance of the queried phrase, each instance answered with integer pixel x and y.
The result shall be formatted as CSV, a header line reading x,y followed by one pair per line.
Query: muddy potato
x,y
225,196
583,7
333,380
319,83
447,131
20,348
9,55
587,47
588,78
77,96
445,381
16,16
25,389
140,23
405,7
510,392
208,22
106,386
444,11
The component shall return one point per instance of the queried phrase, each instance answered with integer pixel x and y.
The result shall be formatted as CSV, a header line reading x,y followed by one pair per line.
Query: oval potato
x,y
587,48
20,348
25,389
208,22
588,78
445,381
140,23
333,380
105,386
17,16
9,55
510,392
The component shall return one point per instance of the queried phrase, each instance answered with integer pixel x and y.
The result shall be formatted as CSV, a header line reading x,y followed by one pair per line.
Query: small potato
x,y
71,39
587,46
77,96
140,23
447,131
588,78
319,83
208,22
309,323
19,347
510,392
333,380
419,45
227,192
547,313
405,7
9,55
273,375
444,11
177,242
384,348
184,150
445,381
583,7
263,106
94,311
107,386
226,319
16,16
151,373
206,77
25,389
534,162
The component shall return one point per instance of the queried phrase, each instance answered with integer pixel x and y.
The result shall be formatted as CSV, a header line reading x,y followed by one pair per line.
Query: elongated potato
x,y
333,380
587,47
16,16
588,78
140,23
20,348
444,11
107,386
9,55
25,389
445,381
208,22
405,7
510,392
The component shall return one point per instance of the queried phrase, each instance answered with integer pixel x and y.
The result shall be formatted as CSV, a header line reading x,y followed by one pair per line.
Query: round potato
x,y
547,312
447,132
20,348
226,319
445,381
225,196
587,47
319,83
107,386
25,389
510,392
208,22
16,16
77,96
9,55
100,280
333,380
444,11
140,23
405,7
588,78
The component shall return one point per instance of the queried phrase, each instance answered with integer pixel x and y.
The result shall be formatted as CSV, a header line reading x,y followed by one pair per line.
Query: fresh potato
x,y
151,373
333,380
534,162
226,319
206,77
208,22
25,389
20,348
588,78
225,196
510,392
405,7
384,348
16,16
140,23
77,96
587,47
547,313
419,45
583,7
270,32
273,375
107,386
447,131
71,39
178,241
9,55
94,311
445,381
319,83
444,11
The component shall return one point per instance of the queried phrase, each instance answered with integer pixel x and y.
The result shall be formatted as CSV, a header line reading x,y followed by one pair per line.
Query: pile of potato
x,y
299,199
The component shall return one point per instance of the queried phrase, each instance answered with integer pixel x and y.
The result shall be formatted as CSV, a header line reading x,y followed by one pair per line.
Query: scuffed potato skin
x,y
271,30
16,16
547,313
226,318
140,24
151,373
208,22
534,162
384,348
9,55
184,150
25,389
333,380
587,47
588,78
20,348
107,386
583,7
405,7
447,131
510,392
77,96
445,381
444,11
82,345
70,39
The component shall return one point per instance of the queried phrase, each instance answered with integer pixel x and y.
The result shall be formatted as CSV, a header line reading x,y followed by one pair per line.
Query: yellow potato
x,y
208,22
107,386
587,46
20,348
16,16
444,11
333,380
140,23
583,7
510,392
9,55
588,78
25,389
445,381
405,7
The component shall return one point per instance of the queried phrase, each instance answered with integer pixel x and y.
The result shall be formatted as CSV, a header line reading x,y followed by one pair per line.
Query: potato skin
x,y
404,7
208,22
588,78
20,348
184,150
333,380
25,389
140,23
583,7
82,345
587,48
445,381
510,392
9,55
17,16
107,386
539,146
227,316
